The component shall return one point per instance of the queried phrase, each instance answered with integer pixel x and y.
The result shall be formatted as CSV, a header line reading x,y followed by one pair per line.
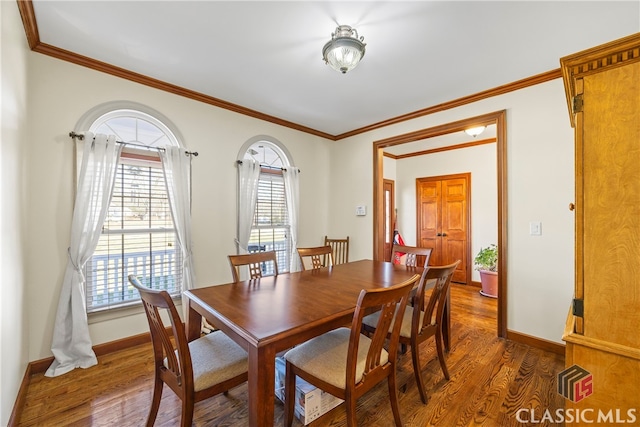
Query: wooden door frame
x,y
499,119
393,208
467,177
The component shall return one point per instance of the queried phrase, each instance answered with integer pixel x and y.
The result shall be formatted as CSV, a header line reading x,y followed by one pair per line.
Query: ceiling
x,y
265,56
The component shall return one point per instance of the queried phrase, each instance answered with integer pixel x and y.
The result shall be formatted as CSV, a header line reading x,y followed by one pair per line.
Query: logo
x,y
575,383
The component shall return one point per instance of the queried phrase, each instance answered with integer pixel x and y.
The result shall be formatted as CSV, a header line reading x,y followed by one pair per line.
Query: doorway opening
x,y
499,120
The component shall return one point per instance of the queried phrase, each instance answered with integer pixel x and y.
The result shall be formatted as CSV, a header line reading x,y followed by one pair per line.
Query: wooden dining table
x,y
268,315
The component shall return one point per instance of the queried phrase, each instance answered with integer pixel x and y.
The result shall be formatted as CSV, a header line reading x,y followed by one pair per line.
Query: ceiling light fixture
x,y
344,50
475,131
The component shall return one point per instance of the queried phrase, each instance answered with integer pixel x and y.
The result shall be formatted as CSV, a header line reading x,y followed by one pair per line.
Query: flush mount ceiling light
x,y
344,50
475,131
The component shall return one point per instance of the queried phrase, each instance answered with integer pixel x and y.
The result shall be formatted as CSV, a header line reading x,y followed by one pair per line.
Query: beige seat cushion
x,y
405,330
325,356
216,358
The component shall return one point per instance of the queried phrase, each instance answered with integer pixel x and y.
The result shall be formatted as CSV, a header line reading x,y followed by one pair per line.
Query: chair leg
x,y
350,406
187,412
440,349
289,395
393,395
155,401
417,370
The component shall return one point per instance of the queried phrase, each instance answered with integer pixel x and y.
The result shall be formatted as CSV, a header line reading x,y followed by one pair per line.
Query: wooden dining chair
x,y
321,256
345,363
256,261
340,249
195,371
410,256
423,320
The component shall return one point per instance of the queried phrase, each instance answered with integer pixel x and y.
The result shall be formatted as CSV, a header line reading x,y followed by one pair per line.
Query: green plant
x,y
487,258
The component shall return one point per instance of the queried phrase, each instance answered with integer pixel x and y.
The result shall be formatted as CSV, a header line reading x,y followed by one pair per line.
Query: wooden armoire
x,y
602,333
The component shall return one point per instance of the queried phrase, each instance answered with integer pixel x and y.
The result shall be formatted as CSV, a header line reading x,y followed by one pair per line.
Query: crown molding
x,y
33,38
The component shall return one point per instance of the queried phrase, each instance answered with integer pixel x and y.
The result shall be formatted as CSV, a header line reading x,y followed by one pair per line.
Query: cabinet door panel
x,y
611,211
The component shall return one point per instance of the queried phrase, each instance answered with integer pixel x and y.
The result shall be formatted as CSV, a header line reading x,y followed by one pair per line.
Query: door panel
x,y
429,219
455,225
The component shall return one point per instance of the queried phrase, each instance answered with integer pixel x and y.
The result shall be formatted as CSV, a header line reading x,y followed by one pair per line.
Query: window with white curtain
x,y
138,236
271,226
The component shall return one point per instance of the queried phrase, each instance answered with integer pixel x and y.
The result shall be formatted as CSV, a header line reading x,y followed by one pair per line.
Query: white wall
x,y
540,186
60,93
13,118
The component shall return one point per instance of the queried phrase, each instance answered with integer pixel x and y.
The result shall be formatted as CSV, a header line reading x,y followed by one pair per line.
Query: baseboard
x,y
476,284
16,413
536,342
41,366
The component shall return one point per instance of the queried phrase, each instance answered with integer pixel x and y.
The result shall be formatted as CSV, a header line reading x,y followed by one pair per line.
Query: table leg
x,y
194,322
261,386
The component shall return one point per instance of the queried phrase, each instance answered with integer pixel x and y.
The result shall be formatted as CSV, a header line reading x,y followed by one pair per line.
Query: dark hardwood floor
x,y
491,379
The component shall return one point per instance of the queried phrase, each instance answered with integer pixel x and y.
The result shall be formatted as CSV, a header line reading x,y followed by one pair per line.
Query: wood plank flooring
x,y
491,379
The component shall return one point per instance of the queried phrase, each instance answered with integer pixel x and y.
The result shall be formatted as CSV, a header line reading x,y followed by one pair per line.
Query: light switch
x,y
361,210
535,228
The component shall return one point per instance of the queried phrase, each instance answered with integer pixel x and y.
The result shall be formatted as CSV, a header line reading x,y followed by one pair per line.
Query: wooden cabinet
x,y
602,334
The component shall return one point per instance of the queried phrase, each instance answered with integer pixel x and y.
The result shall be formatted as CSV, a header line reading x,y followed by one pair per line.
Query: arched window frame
x,y
148,245
266,229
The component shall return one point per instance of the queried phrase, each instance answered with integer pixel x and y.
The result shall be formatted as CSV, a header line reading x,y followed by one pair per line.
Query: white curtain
x,y
176,164
291,187
71,344
248,176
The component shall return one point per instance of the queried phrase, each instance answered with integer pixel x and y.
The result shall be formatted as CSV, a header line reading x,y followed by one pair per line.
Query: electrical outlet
x,y
361,210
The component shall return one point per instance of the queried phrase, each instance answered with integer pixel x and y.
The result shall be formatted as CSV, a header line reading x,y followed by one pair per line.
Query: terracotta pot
x,y
489,280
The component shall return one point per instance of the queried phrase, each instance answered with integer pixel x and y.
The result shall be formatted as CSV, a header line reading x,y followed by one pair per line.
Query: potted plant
x,y
486,262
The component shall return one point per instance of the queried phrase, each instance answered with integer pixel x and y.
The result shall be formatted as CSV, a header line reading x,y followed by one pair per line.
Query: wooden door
x,y
428,216
389,210
443,221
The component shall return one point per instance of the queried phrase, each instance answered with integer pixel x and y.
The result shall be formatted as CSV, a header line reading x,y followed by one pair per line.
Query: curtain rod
x,y
80,136
268,167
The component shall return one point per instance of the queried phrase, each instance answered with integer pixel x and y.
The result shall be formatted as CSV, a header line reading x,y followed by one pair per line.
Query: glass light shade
x,y
475,131
343,52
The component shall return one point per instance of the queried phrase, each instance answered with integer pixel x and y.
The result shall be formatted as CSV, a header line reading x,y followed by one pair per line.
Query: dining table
x,y
269,315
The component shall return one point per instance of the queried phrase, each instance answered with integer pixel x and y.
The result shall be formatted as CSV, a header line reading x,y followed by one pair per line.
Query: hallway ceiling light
x,y
475,131
345,49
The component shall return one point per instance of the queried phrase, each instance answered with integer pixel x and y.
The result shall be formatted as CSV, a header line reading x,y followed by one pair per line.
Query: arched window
x,y
138,236
273,227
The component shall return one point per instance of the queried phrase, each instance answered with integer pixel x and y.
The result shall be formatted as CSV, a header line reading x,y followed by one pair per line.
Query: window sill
x,y
124,311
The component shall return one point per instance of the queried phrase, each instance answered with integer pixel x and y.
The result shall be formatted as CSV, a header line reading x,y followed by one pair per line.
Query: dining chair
x,y
340,248
424,320
257,263
195,371
321,256
411,256
346,363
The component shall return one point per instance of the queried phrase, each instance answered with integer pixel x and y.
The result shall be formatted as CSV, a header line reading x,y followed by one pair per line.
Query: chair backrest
x,y
392,302
340,249
170,348
256,262
321,256
434,307
415,257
